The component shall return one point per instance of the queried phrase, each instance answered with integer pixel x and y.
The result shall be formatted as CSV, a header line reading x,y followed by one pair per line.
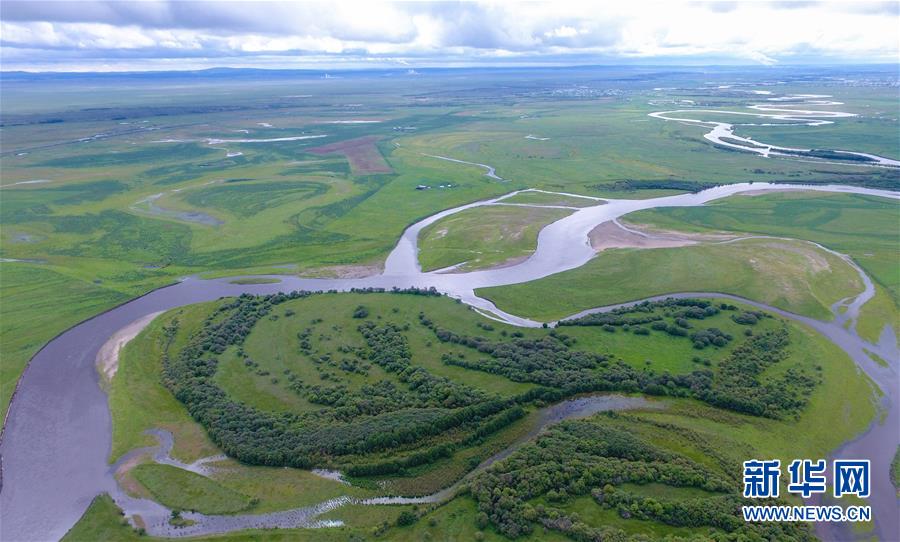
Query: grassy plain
x,y
839,407
451,523
863,227
103,151
820,427
484,237
138,401
273,345
184,490
792,275
91,245
28,310
876,115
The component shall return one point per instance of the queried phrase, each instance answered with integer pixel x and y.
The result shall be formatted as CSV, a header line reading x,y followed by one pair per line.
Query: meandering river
x,y
57,437
785,113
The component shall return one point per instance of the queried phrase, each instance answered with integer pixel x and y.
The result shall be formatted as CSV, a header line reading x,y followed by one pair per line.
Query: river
x,y
57,437
786,113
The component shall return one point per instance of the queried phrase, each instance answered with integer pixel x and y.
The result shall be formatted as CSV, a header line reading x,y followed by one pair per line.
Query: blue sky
x,y
150,35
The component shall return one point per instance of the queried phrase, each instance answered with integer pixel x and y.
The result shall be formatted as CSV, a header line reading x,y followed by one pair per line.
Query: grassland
x,y
184,490
30,317
820,428
286,203
484,236
876,116
272,344
792,275
139,402
281,203
449,523
255,280
863,227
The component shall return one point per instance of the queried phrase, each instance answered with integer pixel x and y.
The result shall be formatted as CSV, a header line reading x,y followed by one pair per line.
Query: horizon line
x,y
438,67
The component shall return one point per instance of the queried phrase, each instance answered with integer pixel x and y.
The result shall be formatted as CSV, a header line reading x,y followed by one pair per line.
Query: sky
x,y
62,35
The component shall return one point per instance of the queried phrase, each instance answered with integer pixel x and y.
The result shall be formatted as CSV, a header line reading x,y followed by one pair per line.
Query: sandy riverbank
x,y
108,356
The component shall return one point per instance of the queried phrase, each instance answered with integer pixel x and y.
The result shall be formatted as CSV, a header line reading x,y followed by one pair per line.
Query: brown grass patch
x,y
362,154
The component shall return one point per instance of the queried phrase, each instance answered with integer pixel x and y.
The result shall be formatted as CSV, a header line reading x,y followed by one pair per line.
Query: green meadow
x,y
112,187
184,490
484,236
715,438
792,275
862,227
222,206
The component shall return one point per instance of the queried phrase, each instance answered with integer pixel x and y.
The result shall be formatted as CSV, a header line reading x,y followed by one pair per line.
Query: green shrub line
x,y
426,417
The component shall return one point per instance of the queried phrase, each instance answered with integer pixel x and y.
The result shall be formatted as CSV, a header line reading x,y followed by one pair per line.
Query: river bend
x,y
57,436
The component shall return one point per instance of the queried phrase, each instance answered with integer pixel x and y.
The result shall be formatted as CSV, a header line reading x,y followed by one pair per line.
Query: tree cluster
x,y
596,457
380,416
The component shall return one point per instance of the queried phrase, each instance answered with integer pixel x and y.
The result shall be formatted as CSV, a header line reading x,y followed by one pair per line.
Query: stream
x,y
57,436
785,111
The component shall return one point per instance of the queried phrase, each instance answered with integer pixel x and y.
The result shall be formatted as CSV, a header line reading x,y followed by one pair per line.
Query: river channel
x,y
57,438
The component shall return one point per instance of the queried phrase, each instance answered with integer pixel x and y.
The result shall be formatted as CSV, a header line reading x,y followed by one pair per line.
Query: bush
x,y
746,318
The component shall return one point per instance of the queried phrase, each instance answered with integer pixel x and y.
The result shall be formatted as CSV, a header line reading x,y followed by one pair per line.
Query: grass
x,y
288,206
282,204
854,134
839,408
255,280
863,227
246,199
660,351
282,489
876,358
791,275
451,523
484,236
445,472
138,401
102,521
31,317
273,345
596,516
184,490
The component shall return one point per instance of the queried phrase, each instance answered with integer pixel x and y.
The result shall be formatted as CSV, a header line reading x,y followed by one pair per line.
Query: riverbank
x,y
43,502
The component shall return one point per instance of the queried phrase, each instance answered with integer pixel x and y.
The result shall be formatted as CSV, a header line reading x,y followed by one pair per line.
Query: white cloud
x,y
66,33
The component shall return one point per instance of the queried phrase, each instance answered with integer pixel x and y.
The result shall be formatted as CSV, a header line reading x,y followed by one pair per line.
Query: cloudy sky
x,y
153,34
